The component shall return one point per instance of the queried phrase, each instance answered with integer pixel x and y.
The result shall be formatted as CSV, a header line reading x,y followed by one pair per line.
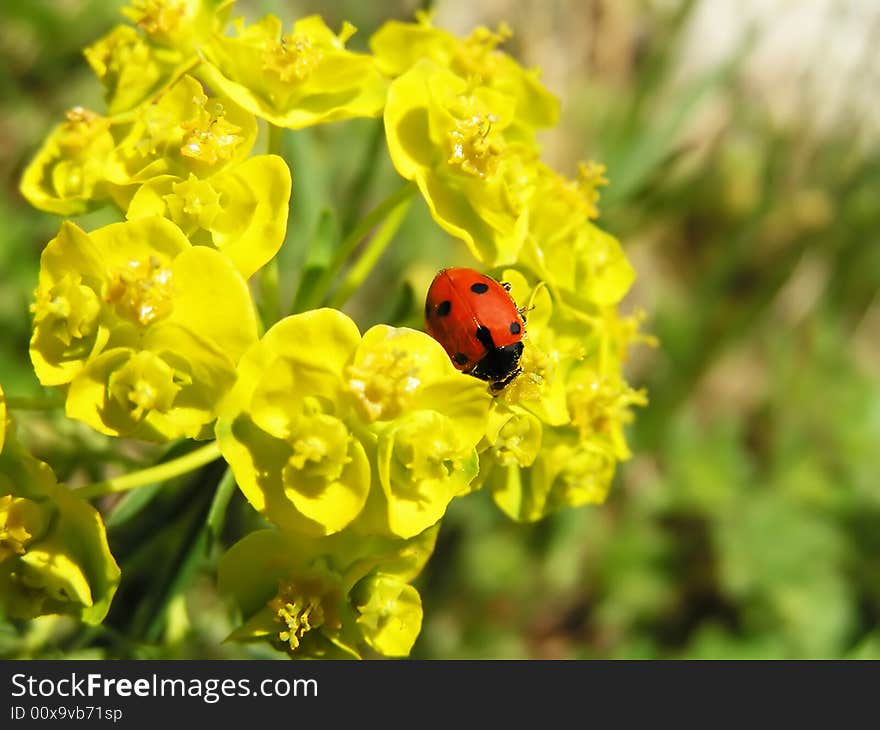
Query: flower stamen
x,y
302,607
293,58
142,291
472,147
210,137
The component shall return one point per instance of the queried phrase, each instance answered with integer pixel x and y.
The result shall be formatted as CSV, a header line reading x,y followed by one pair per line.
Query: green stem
x,y
353,240
34,403
275,145
270,298
159,473
361,269
217,512
366,175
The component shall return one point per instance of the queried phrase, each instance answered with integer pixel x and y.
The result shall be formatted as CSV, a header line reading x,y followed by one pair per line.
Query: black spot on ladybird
x,y
485,337
515,329
444,308
460,358
479,288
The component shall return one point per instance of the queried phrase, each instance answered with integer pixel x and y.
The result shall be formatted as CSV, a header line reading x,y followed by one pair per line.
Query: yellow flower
x,y
563,246
131,69
555,434
241,211
68,172
92,159
144,329
182,132
451,136
316,404
399,46
179,24
54,557
295,79
330,597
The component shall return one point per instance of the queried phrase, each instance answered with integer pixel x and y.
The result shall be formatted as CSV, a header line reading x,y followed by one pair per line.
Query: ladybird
x,y
478,323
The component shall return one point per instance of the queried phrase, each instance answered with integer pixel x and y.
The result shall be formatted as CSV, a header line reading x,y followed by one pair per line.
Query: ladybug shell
x,y
473,316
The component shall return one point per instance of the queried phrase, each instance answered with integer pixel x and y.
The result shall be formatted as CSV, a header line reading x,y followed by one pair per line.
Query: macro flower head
x,y
565,248
54,557
555,434
398,46
450,136
91,159
295,79
326,429
349,444
142,328
182,131
178,24
332,597
69,172
241,211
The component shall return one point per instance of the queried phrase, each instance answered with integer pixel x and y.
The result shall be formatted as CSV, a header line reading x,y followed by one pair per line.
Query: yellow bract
x,y
329,597
69,172
92,159
316,404
352,445
131,69
54,557
143,329
242,211
295,79
555,434
566,249
450,136
399,46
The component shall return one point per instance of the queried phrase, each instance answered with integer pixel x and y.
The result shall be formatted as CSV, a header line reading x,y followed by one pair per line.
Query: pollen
x,y
303,606
156,17
209,137
472,147
80,115
80,128
293,58
383,382
142,291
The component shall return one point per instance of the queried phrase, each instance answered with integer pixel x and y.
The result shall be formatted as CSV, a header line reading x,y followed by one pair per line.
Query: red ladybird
x,y
478,323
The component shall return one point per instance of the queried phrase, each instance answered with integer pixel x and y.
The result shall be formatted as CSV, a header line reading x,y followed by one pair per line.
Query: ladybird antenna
x,y
530,305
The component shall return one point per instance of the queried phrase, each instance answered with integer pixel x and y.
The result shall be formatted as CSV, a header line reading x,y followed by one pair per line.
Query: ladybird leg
x,y
522,312
505,284
500,385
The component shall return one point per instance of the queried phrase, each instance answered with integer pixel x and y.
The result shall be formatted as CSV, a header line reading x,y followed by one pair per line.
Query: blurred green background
x,y
741,140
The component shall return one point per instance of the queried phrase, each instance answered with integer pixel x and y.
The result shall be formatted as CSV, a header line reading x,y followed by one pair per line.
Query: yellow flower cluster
x,y
352,445
461,122
54,556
